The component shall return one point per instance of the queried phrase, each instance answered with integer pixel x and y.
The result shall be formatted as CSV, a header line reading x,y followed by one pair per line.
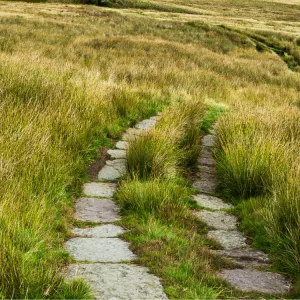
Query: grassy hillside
x,y
72,76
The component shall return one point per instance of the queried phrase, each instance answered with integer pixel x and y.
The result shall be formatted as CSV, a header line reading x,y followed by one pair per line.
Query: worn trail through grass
x,y
100,256
249,273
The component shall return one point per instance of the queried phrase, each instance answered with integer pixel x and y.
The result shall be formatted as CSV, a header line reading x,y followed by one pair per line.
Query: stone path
x,y
103,259
223,227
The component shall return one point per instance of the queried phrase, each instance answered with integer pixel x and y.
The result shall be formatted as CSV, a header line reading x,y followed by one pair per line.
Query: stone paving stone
x,y
118,281
146,124
117,154
99,249
99,189
129,137
206,186
122,145
207,152
103,231
205,161
218,219
211,202
208,140
208,171
109,173
247,254
113,170
119,164
256,281
228,239
96,210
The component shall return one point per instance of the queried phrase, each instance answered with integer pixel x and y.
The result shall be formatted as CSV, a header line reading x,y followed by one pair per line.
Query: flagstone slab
x,y
122,145
118,281
256,281
246,254
96,210
99,189
207,152
218,219
103,231
119,164
117,153
228,239
109,173
206,186
211,202
208,140
146,124
99,249
207,171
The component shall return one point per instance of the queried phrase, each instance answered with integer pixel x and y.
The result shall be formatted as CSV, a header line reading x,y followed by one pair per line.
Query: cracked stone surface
x,y
122,145
118,281
209,170
248,254
256,281
117,154
103,231
218,219
228,239
99,249
119,164
99,189
211,202
208,140
146,124
205,186
96,210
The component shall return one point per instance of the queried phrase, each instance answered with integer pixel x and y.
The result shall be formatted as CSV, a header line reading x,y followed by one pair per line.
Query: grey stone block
x,y
118,281
228,239
103,231
99,249
99,189
96,210
211,202
218,219
256,281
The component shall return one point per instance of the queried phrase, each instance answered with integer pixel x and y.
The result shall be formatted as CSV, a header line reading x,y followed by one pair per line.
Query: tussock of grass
x,y
258,155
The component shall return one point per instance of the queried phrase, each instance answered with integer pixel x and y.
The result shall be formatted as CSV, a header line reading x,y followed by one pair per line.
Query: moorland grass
x,y
258,156
72,76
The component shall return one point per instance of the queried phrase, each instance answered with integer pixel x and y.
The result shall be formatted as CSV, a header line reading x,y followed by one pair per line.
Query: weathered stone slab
x,y
247,254
118,281
146,124
218,219
256,281
208,140
103,231
109,173
228,239
206,186
99,189
117,154
96,210
207,152
119,164
206,161
122,145
211,202
99,250
208,171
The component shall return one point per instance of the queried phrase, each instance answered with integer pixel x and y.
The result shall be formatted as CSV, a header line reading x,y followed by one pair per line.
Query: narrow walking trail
x,y
103,259
251,274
